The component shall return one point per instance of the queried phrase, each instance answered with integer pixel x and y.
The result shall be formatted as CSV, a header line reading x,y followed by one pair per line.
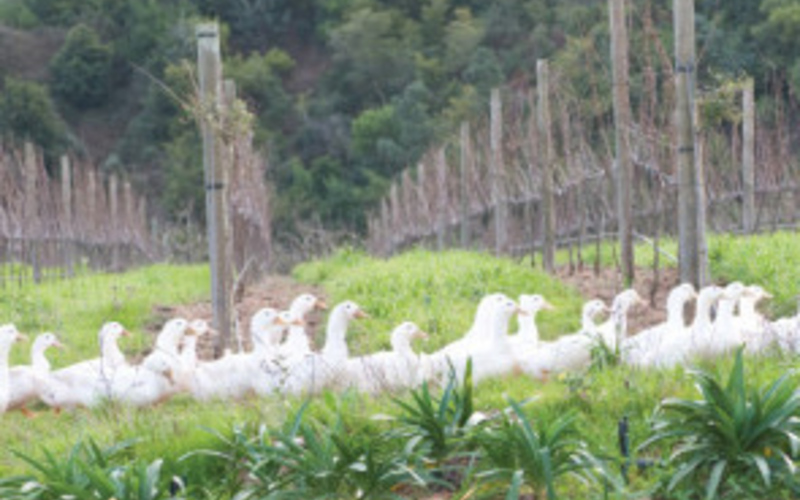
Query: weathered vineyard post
x,y
497,170
464,168
546,164
31,211
748,158
66,202
210,72
622,119
113,201
691,225
441,198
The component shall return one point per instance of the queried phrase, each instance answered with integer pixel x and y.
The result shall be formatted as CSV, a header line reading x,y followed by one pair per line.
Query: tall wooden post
x,y
385,229
464,168
546,164
113,201
496,169
31,211
622,120
691,225
209,64
441,198
700,193
748,158
395,219
66,205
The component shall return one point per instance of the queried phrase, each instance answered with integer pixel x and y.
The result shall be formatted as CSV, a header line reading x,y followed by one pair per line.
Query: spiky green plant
x,y
89,471
732,431
525,455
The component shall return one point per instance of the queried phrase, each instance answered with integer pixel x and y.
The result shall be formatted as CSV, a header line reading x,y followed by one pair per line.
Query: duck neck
x,y
499,326
675,318
168,342
296,336
264,344
39,360
402,345
587,323
527,327
335,343
189,352
702,318
111,355
619,321
725,309
747,307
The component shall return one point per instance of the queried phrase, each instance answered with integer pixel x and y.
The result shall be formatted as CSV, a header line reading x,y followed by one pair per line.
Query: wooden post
x,y
31,210
691,224
395,219
700,194
422,203
464,168
385,229
497,178
622,120
441,198
66,204
113,201
546,165
407,200
748,158
209,64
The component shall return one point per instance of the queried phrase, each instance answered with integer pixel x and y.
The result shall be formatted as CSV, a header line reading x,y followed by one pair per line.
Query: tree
x,y
81,70
27,113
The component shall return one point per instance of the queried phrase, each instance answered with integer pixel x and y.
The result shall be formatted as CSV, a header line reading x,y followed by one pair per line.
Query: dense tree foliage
x,y
27,113
348,92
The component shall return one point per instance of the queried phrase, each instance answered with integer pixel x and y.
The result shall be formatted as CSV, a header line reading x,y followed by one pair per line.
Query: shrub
x,y
81,70
27,113
732,433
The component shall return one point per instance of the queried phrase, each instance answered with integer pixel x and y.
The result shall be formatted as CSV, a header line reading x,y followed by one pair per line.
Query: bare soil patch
x,y
608,283
273,291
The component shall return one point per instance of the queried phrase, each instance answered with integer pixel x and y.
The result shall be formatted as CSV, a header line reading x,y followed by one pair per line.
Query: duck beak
x,y
768,295
125,333
548,306
420,334
321,305
521,312
58,345
360,314
21,338
280,321
297,322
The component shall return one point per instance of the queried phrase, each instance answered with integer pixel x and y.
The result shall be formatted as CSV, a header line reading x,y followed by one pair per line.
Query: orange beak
x,y
548,306
321,305
125,333
21,338
420,334
521,312
297,322
360,314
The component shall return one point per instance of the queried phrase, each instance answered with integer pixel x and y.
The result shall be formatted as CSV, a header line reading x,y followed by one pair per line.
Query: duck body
x,y
388,371
568,352
643,349
528,334
297,344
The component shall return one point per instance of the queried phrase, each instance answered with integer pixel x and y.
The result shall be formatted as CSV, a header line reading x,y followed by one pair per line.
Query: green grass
x,y
75,309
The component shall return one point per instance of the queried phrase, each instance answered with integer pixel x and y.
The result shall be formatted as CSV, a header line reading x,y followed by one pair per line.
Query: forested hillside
x,y
346,92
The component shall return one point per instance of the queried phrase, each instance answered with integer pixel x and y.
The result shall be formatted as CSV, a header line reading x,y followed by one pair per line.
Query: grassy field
x,y
438,291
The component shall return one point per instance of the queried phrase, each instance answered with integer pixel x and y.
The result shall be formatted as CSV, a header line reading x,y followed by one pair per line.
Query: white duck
x,y
8,336
528,333
727,328
615,329
679,347
264,368
236,375
316,371
157,377
757,332
568,352
642,348
388,371
85,383
482,324
23,379
297,343
491,352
